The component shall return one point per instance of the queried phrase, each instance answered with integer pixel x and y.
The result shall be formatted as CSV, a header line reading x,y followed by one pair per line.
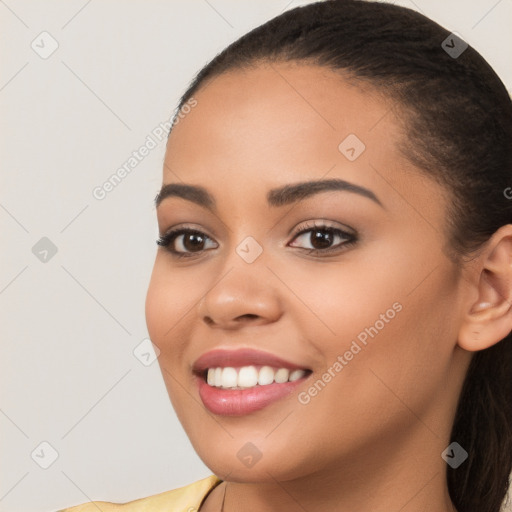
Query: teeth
x,y
248,376
266,376
282,375
296,375
217,378
229,378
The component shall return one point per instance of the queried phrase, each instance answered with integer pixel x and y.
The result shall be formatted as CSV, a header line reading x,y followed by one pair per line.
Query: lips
x,y
242,357
239,382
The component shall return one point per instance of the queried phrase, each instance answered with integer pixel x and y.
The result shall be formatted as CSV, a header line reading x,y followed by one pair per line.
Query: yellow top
x,y
184,499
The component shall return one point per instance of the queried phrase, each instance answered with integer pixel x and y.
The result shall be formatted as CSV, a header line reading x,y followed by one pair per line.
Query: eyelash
x,y
167,239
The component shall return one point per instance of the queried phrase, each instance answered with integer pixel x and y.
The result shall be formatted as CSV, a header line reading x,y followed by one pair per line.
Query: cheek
x,y
395,336
395,369
164,307
337,301
168,299
169,307
377,389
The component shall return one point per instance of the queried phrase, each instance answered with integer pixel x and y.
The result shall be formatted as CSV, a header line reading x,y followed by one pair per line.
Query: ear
x,y
489,317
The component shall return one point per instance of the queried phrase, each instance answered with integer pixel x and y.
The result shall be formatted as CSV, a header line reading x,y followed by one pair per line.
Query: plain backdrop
x,y
83,83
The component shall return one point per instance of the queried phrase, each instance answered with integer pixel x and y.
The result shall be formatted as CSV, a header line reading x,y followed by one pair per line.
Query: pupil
x,y
321,237
197,242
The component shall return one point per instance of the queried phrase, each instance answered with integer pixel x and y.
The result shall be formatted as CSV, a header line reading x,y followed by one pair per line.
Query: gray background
x,y
70,323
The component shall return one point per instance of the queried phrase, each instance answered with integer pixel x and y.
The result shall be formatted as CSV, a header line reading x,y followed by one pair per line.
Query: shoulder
x,y
184,499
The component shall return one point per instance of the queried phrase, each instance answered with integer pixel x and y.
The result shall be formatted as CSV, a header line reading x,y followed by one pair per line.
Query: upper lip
x,y
241,357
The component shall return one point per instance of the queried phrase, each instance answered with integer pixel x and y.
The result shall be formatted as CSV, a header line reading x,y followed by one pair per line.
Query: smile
x,y
250,376
234,383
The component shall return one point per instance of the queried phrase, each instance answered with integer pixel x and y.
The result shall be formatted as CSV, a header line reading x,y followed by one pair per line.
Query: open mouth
x,y
243,381
246,377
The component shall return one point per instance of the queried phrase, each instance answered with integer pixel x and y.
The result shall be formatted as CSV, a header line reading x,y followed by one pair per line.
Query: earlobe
x,y
489,318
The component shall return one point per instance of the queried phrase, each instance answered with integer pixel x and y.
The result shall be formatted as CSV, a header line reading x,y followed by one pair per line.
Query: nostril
x,y
208,320
242,318
248,316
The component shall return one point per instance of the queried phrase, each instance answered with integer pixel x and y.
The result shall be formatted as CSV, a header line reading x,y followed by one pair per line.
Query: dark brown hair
x,y
458,116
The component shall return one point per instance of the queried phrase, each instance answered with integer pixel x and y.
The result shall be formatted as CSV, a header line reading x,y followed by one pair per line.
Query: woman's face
x,y
349,283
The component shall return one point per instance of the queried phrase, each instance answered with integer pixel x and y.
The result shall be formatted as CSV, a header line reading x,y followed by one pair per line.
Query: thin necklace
x,y
224,498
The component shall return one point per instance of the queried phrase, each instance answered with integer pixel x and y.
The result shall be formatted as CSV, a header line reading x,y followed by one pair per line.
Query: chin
x,y
243,461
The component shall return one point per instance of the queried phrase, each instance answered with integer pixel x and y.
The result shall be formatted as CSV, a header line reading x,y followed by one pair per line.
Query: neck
x,y
411,479
426,491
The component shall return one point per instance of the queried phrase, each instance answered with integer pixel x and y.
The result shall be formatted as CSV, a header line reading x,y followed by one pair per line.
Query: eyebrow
x,y
276,197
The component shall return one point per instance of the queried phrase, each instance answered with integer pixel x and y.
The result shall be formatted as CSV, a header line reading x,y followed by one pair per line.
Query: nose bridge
x,y
243,287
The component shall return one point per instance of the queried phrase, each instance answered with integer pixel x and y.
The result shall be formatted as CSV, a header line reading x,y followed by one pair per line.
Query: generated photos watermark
x,y
305,397
157,135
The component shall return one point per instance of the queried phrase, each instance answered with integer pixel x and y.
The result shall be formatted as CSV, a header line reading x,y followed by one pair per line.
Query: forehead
x,y
276,104
273,124
293,114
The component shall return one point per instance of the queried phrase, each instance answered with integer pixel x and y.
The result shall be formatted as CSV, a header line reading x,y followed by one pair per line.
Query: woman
x,y
332,294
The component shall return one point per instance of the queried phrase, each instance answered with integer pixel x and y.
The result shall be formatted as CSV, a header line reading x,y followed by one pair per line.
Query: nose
x,y
245,294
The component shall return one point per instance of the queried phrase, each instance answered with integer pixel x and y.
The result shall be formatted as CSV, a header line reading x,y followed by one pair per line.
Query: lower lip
x,y
237,402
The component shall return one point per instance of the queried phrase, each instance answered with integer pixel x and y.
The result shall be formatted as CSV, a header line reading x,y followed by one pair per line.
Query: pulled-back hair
x,y
458,118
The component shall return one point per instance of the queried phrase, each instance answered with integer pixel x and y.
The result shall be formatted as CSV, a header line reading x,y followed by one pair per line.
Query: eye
x,y
184,241
321,238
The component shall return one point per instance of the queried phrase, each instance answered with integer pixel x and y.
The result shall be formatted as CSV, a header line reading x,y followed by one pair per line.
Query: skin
x,y
372,438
